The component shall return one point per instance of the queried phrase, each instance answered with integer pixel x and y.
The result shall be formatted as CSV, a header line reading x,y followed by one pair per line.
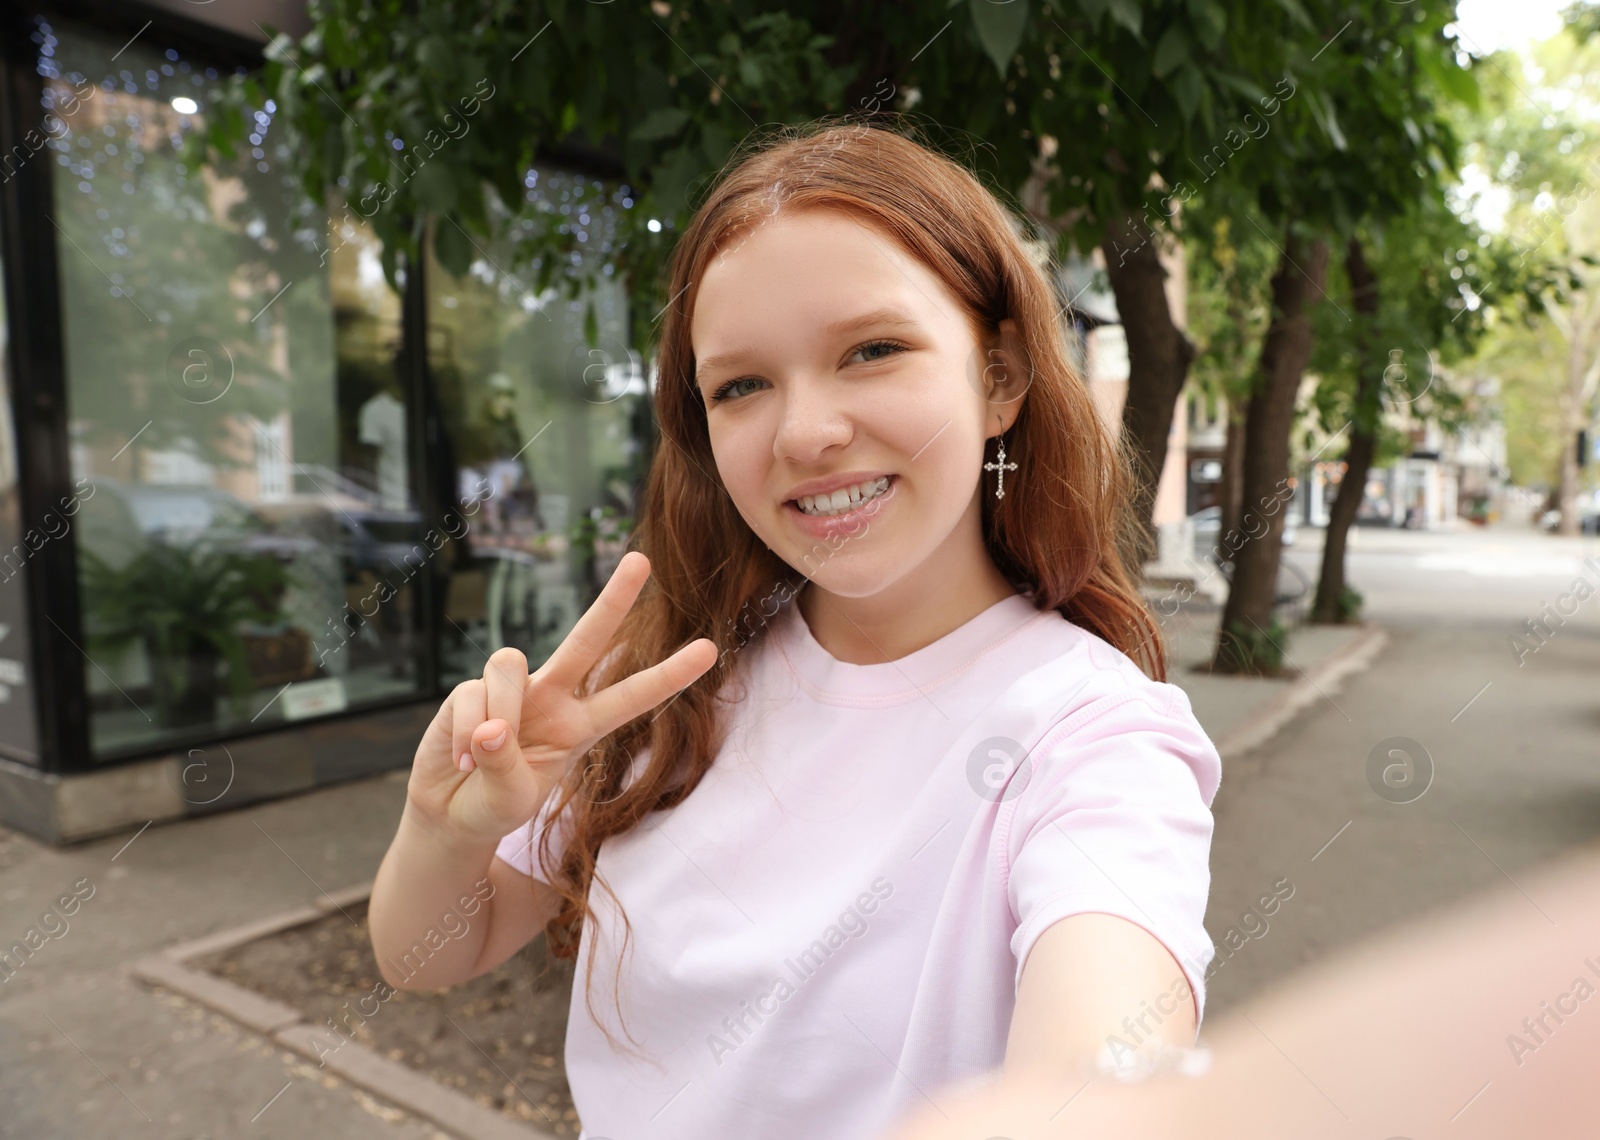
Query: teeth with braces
x,y
844,499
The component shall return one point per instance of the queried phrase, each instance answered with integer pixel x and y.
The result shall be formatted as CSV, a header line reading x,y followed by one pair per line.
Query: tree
x,y
1531,143
1392,67
1415,289
1119,100
1229,305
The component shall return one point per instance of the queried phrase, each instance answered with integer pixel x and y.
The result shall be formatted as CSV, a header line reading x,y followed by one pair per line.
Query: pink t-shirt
x,y
831,927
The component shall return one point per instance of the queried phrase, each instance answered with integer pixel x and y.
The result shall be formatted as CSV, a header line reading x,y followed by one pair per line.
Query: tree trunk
x,y
1285,350
1158,354
1363,438
1230,492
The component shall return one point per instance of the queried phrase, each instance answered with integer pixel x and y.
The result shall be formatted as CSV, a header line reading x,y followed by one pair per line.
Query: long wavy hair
x,y
1061,533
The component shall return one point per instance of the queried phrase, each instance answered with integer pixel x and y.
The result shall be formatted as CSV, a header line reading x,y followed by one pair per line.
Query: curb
x,y
1258,726
289,1027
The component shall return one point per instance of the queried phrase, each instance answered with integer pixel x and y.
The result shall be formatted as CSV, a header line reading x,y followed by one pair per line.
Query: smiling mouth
x,y
844,500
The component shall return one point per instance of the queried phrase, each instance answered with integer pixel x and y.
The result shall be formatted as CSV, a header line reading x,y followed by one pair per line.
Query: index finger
x,y
633,696
582,647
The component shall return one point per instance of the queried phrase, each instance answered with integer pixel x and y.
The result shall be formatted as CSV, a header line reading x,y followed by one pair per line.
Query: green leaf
x,y
1298,14
1126,13
716,141
999,24
1322,111
470,203
1249,89
436,53
1094,9
662,123
451,247
1171,50
1209,20
434,187
389,258
1334,132
671,183
1187,89
1455,81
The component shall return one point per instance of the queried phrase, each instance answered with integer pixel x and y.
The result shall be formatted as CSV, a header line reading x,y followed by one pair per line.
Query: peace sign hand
x,y
500,745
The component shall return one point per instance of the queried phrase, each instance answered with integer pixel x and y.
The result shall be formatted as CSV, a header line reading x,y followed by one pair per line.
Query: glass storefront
x,y
238,460
284,513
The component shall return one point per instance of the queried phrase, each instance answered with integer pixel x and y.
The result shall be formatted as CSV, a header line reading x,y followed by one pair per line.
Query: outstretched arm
x,y
1096,985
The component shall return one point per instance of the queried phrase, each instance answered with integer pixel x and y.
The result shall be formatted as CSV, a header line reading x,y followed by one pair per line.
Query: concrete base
x,y
218,777
411,1090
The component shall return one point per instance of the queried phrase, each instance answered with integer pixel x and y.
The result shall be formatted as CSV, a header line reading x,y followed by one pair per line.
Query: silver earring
x,y
1001,467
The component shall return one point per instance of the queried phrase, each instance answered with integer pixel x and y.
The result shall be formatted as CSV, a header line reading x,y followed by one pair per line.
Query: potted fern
x,y
185,604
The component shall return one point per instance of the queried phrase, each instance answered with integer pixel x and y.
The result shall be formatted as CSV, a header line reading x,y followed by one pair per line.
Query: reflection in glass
x,y
543,427
234,401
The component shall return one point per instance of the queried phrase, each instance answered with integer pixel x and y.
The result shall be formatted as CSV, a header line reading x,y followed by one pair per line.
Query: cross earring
x,y
1001,467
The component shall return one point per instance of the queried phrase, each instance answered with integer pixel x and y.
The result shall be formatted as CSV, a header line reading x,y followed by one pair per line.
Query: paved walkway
x,y
86,1052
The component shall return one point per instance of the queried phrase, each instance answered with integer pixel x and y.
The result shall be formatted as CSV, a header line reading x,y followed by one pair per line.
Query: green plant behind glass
x,y
605,524
178,599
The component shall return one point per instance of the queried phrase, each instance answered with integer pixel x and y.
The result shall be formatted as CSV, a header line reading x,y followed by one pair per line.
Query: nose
x,y
813,420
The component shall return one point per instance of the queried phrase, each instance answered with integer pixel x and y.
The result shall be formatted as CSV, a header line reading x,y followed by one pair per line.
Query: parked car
x,y
121,517
380,540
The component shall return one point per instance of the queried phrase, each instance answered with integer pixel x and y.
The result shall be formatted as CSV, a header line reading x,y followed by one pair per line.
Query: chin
x,y
848,574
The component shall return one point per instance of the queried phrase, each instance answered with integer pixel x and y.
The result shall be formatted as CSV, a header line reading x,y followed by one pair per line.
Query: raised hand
x,y
500,744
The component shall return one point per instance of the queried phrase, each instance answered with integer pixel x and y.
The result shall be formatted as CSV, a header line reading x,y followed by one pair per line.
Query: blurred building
x,y
263,511
1446,474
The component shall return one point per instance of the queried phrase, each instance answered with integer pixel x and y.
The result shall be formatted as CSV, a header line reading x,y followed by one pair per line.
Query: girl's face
x,y
848,401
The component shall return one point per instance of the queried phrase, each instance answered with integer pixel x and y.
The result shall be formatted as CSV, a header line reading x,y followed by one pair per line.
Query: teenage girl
x,y
861,778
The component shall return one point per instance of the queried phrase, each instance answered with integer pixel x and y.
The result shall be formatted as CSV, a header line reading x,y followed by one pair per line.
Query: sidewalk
x,y
1239,713
88,1051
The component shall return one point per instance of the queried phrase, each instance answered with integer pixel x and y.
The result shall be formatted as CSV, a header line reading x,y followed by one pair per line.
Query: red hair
x,y
1059,535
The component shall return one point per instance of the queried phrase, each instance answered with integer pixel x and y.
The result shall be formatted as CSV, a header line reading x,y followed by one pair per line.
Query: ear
x,y
1006,377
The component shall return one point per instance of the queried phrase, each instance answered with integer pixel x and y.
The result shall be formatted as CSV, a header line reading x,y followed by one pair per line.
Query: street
x,y
1516,769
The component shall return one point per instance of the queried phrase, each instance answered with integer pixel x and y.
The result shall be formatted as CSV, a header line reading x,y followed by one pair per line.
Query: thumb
x,y
493,748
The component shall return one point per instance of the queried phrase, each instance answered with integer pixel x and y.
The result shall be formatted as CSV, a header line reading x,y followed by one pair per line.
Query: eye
x,y
731,389
892,346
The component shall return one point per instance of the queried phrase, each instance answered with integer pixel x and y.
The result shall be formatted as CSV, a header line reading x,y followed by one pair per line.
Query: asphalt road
x,y
1514,751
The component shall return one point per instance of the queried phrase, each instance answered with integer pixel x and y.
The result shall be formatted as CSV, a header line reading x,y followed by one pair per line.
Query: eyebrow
x,y
876,318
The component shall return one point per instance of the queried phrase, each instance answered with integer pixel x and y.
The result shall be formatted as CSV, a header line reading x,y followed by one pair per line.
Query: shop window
x,y
234,401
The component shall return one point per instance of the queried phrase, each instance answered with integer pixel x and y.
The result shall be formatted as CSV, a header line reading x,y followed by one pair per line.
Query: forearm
x,y
1097,990
432,905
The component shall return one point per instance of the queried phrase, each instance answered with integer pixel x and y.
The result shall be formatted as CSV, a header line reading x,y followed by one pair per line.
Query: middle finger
x,y
470,699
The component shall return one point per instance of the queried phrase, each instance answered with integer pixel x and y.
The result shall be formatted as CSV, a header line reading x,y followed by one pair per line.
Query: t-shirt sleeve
x,y
1115,818
521,847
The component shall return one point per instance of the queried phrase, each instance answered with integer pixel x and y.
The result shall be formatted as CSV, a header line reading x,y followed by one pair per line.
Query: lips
x,y
827,484
851,521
